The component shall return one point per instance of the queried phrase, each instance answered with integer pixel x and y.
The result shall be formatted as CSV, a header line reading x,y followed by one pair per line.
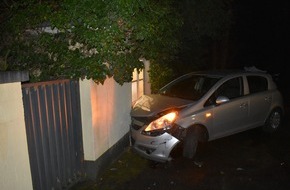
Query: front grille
x,y
136,127
137,123
154,133
143,119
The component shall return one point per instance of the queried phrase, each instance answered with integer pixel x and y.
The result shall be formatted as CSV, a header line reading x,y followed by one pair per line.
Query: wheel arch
x,y
272,126
281,109
201,130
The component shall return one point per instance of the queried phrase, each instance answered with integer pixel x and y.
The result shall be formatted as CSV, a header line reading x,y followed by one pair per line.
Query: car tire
x,y
274,121
190,143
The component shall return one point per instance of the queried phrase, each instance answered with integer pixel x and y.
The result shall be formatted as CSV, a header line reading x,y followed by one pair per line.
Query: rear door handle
x,y
244,105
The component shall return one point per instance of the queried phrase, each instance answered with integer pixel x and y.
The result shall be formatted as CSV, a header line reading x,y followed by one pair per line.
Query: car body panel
x,y
150,105
258,102
225,120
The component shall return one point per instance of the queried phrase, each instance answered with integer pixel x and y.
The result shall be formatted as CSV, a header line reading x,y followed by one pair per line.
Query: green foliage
x,y
90,38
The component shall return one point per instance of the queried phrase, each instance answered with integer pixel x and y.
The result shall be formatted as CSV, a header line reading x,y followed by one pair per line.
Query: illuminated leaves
x,y
74,39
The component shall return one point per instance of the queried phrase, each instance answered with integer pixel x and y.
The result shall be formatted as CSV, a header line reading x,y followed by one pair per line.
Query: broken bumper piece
x,y
156,148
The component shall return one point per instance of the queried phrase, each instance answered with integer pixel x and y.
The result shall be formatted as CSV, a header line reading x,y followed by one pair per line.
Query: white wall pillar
x,y
86,115
105,115
14,158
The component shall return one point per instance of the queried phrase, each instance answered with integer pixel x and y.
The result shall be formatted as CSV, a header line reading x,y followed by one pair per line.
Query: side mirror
x,y
221,100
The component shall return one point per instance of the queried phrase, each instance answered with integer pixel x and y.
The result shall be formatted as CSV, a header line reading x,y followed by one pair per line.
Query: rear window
x,y
257,84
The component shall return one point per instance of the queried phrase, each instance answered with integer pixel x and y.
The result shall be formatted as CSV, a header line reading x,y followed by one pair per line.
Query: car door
x,y
260,99
229,117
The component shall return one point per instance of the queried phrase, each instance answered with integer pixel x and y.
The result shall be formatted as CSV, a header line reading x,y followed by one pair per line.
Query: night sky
x,y
262,34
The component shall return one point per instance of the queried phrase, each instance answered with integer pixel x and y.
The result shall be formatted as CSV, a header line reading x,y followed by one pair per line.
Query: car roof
x,y
226,72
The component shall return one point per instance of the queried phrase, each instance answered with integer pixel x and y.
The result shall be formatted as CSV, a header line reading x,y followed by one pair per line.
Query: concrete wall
x,y
14,160
105,115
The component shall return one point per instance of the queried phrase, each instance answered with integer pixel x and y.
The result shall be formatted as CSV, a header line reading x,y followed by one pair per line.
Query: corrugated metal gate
x,y
54,134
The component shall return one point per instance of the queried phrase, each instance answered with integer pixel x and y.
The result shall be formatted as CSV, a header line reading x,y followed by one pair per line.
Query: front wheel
x,y
274,121
190,143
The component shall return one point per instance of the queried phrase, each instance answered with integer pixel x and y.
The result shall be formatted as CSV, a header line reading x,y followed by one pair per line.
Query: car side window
x,y
231,89
257,84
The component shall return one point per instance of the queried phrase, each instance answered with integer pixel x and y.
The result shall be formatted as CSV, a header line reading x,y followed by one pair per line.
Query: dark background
x,y
262,34
259,36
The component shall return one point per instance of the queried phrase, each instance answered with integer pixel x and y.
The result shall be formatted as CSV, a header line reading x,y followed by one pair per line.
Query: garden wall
x,y
14,168
105,122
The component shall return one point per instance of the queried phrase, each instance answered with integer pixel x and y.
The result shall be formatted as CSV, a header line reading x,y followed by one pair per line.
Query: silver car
x,y
203,106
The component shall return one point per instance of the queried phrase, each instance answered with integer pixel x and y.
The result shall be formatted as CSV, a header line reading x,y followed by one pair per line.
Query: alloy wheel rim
x,y
275,120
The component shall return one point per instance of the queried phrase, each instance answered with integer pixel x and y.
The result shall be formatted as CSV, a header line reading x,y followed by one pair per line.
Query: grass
x,y
123,170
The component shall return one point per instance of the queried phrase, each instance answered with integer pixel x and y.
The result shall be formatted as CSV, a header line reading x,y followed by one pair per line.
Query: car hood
x,y
150,105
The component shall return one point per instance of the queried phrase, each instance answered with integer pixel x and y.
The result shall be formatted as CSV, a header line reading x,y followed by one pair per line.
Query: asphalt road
x,y
246,161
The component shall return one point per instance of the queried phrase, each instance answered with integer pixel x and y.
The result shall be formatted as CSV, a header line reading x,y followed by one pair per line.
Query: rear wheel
x,y
274,121
190,143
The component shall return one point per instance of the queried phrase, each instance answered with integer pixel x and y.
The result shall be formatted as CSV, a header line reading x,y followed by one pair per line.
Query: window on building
x,y
137,85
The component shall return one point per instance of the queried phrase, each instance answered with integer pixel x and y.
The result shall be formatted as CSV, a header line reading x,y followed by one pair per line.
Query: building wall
x,y
147,85
14,168
105,115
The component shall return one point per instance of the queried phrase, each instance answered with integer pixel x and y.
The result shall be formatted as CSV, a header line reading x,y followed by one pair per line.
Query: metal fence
x,y
54,134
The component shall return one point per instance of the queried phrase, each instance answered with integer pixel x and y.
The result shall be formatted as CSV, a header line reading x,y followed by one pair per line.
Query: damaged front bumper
x,y
156,148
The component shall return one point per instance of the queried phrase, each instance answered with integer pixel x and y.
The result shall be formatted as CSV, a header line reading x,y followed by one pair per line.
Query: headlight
x,y
162,123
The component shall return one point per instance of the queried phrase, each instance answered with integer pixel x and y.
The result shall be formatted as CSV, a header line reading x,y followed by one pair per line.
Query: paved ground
x,y
249,160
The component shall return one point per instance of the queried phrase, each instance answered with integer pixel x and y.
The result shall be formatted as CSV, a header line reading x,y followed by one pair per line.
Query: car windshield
x,y
191,87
